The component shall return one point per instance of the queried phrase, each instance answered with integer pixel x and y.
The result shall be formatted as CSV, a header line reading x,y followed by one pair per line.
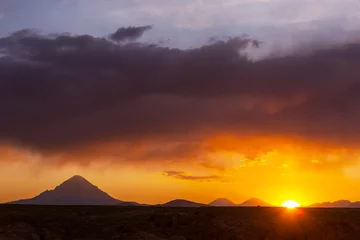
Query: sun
x,y
290,204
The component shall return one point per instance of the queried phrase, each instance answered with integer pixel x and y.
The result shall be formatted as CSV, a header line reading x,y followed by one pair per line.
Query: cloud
x,y
64,94
269,20
185,14
129,33
185,176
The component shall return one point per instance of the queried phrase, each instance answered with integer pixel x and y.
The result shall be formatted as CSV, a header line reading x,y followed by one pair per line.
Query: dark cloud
x,y
61,93
185,176
212,166
129,33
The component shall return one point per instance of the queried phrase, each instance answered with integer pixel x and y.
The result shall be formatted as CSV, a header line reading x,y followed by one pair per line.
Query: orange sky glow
x,y
270,168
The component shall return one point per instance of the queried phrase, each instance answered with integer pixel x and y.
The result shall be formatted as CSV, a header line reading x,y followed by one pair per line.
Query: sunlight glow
x,y
290,204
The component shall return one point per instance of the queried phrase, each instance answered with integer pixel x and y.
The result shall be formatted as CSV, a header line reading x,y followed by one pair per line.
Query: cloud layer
x,y
63,93
185,176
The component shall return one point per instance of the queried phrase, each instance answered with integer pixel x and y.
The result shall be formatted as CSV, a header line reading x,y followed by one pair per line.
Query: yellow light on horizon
x,y
290,204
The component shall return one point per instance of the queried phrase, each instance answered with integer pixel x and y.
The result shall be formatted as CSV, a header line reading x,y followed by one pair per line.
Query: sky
x,y
156,100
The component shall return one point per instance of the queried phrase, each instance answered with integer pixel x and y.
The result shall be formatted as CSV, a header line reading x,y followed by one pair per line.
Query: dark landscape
x,y
76,209
20,222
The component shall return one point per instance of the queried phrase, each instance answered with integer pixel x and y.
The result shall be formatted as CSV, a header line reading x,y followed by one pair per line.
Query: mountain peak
x,y
222,202
76,181
255,202
77,178
74,191
183,203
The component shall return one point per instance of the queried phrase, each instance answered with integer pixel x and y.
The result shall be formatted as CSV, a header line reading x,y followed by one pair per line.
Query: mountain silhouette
x,y
74,191
253,202
183,203
336,204
353,205
222,202
79,191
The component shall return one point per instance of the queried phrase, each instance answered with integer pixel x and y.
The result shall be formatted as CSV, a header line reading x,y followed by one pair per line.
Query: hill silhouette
x,y
336,204
183,203
253,202
354,205
74,191
222,202
79,191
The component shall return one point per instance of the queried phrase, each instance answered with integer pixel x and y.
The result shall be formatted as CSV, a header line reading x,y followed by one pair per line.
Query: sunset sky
x,y
153,100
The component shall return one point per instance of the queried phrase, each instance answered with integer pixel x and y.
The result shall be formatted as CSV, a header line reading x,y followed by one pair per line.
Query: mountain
x,y
320,205
340,204
336,204
183,203
254,202
354,205
74,191
132,204
222,202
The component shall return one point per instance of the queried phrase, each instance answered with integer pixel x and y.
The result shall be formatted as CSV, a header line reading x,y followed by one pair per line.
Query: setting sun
x,y
290,204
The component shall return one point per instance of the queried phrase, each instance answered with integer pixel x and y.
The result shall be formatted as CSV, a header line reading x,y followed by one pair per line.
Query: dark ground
x,y
155,223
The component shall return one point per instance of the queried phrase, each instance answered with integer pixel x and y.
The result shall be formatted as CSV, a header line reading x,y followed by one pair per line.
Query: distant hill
x,y
183,203
253,202
336,204
74,191
320,205
132,204
222,202
354,205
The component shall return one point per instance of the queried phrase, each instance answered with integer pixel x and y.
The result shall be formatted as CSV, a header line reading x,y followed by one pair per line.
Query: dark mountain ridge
x,y
183,203
253,202
74,191
222,202
79,191
336,204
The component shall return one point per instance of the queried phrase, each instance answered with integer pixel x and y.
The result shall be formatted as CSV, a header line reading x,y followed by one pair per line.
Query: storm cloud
x,y
129,33
62,92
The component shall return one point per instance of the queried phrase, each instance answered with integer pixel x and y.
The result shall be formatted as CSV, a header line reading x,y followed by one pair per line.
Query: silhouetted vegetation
x,y
21,222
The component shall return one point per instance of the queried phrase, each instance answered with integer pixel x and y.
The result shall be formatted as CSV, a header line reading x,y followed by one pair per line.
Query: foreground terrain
x,y
21,222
